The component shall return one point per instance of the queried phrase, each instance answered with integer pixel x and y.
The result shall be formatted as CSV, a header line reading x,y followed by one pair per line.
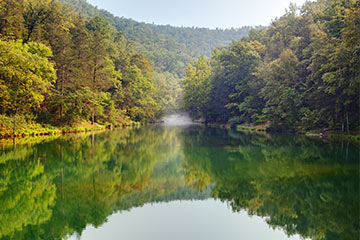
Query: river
x,y
176,181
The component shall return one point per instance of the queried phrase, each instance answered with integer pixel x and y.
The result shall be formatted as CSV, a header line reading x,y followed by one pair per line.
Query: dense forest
x,y
61,67
66,63
299,74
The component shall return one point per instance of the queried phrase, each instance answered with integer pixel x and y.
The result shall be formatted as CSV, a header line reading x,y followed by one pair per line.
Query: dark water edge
x,y
56,188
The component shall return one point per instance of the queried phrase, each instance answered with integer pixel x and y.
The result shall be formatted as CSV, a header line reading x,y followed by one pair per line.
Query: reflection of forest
x,y
52,189
303,186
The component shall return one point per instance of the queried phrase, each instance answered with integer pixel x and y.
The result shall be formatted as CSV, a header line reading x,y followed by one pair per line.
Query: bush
x,y
7,123
235,121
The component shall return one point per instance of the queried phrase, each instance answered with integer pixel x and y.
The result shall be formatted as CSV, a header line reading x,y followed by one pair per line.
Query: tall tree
x,y
101,68
197,87
26,74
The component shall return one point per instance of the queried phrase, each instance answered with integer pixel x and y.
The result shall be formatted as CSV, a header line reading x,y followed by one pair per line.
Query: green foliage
x,y
197,87
140,95
26,75
169,48
11,19
301,73
90,71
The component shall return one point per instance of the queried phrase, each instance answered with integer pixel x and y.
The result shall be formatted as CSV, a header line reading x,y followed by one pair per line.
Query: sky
x,y
198,13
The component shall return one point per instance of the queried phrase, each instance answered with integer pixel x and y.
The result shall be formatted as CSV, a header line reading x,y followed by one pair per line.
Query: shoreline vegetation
x,y
47,131
33,129
327,134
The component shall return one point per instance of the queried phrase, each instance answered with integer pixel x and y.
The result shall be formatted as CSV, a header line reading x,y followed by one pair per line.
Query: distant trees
x,y
301,73
169,48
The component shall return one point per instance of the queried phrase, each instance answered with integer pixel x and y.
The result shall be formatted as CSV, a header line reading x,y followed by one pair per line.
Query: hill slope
x,y
170,48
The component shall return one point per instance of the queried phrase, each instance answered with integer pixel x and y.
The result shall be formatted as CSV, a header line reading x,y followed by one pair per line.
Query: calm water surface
x,y
179,182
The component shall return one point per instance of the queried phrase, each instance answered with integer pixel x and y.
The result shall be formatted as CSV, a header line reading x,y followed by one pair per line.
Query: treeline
x,y
60,68
169,48
301,73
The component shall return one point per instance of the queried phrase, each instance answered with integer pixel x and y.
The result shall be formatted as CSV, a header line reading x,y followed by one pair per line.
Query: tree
x,y
281,90
11,19
233,68
139,96
197,87
101,68
26,75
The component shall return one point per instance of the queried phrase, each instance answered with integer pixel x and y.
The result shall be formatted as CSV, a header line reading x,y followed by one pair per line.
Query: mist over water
x,y
178,119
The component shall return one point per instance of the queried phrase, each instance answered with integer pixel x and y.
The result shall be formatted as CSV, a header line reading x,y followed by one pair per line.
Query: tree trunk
x,y
93,116
61,113
342,123
347,122
62,95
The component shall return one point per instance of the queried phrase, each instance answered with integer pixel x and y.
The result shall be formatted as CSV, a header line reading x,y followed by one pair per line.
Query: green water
x,y
127,184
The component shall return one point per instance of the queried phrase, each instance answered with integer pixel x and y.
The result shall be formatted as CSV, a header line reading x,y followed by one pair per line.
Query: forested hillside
x,y
62,69
301,73
169,48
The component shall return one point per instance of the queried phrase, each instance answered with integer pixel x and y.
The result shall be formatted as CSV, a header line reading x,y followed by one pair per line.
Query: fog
x,y
177,119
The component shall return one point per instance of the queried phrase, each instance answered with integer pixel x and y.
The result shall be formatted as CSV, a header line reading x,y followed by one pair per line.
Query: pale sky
x,y
198,13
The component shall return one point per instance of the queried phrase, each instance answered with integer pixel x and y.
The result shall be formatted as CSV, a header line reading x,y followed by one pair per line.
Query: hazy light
x,y
177,120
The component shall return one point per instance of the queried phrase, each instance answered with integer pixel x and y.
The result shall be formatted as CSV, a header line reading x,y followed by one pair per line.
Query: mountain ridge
x,y
170,48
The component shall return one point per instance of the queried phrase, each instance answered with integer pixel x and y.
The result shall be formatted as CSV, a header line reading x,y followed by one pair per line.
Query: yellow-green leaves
x,y
25,75
197,86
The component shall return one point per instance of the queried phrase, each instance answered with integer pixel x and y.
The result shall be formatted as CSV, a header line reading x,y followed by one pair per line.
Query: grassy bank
x,y
31,128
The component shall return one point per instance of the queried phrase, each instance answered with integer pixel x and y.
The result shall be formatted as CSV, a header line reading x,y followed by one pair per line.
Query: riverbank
x,y
33,129
353,136
241,127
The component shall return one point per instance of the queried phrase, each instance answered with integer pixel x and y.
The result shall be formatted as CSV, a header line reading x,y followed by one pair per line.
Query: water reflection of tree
x,y
303,186
26,194
95,176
